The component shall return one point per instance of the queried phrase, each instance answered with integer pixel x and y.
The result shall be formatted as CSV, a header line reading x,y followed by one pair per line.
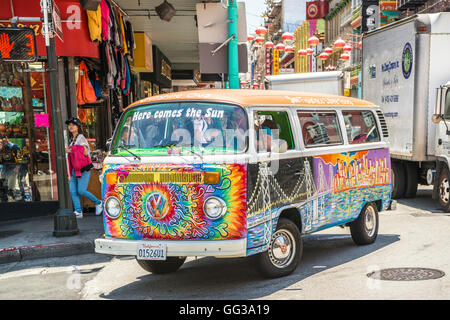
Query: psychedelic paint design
x,y
165,202
329,190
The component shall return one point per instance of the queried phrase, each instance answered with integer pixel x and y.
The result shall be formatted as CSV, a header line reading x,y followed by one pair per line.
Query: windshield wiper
x,y
127,149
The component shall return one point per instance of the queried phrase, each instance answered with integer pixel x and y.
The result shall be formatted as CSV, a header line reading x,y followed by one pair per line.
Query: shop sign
x,y
17,44
73,23
268,61
166,70
41,120
276,62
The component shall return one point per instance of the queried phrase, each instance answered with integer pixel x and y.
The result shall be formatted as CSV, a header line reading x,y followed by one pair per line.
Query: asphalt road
x,y
417,234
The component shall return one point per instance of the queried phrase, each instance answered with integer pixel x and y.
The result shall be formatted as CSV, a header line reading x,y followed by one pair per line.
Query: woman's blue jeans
x,y
78,187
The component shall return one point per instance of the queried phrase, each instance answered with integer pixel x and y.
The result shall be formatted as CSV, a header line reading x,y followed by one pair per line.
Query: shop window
x,y
320,128
361,127
272,125
26,166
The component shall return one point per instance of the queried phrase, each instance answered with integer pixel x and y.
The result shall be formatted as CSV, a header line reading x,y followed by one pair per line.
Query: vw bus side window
x,y
320,128
361,127
182,128
270,126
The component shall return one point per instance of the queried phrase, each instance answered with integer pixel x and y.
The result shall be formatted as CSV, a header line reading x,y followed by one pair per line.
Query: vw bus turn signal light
x,y
211,177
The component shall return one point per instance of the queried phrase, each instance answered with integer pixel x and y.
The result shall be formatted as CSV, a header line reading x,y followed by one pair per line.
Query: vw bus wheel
x,y
444,190
172,264
364,230
285,251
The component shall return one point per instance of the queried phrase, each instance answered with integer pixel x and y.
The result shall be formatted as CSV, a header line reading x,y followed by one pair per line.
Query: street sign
x,y
17,45
56,17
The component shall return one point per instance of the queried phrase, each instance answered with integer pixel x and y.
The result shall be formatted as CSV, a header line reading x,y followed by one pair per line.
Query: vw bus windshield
x,y
182,128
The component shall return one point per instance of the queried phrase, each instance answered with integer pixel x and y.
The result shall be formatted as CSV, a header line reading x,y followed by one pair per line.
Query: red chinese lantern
x,y
261,31
309,51
250,38
345,56
302,52
280,46
347,48
287,37
339,43
328,50
260,40
269,45
324,56
313,41
288,49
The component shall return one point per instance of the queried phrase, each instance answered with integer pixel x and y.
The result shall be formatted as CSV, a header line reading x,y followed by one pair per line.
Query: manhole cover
x,y
406,274
9,233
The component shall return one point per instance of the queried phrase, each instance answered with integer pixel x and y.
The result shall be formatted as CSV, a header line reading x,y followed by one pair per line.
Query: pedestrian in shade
x,y
80,166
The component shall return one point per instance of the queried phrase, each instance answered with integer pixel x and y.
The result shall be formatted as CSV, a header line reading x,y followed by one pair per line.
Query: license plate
x,y
151,251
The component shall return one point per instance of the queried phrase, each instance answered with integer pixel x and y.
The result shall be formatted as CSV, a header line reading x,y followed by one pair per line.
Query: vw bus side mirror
x,y
279,146
108,144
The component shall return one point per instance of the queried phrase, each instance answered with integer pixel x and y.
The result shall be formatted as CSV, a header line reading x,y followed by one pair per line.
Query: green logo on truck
x,y
407,60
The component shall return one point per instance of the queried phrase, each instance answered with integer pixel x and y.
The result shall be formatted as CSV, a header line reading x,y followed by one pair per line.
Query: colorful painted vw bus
x,y
238,173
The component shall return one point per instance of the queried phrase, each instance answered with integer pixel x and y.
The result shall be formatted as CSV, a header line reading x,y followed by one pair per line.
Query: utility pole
x,y
233,56
64,220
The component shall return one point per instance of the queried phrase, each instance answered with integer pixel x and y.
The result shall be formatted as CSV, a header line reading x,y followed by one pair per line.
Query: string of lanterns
x,y
313,41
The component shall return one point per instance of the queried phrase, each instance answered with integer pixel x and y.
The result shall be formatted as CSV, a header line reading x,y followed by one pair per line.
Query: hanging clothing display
x,y
95,24
85,91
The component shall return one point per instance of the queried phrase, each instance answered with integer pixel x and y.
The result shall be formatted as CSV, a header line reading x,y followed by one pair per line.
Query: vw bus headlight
x,y
214,208
112,207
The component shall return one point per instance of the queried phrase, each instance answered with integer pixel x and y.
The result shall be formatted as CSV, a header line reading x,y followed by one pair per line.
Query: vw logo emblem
x,y
157,205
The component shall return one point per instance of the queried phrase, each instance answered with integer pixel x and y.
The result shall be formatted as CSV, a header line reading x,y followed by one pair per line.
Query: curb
x,y
17,254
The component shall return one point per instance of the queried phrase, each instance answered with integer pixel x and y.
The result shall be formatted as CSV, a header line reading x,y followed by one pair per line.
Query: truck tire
x,y
444,190
398,180
285,251
172,264
364,230
411,179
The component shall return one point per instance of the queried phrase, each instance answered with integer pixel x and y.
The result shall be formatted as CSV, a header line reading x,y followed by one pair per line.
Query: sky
x,y
254,9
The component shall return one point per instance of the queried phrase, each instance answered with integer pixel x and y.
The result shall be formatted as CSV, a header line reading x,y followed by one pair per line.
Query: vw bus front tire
x,y
172,264
285,251
364,230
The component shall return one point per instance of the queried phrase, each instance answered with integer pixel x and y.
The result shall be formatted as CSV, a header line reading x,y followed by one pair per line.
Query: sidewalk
x,y
33,239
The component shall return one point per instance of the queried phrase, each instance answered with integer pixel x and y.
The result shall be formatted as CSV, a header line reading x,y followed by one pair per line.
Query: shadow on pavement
x,y
422,201
237,278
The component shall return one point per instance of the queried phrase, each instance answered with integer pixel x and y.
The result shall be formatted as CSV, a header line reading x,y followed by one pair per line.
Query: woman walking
x,y
80,166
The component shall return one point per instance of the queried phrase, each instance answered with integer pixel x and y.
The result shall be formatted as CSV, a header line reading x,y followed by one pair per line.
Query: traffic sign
x,y
17,45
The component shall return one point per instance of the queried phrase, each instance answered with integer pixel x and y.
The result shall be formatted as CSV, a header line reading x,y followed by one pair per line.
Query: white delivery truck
x,y
406,71
331,82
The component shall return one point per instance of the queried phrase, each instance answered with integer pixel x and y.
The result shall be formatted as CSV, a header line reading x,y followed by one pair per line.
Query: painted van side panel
x,y
182,203
327,190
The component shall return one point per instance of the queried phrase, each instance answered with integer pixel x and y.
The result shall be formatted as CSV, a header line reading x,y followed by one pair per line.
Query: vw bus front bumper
x,y
216,248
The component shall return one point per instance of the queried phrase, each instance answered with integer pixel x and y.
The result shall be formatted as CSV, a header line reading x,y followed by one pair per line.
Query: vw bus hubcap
x,y
282,248
370,221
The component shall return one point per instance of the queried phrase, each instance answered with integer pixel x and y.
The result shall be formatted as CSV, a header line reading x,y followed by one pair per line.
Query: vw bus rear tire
x,y
398,180
172,264
285,251
444,190
364,230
